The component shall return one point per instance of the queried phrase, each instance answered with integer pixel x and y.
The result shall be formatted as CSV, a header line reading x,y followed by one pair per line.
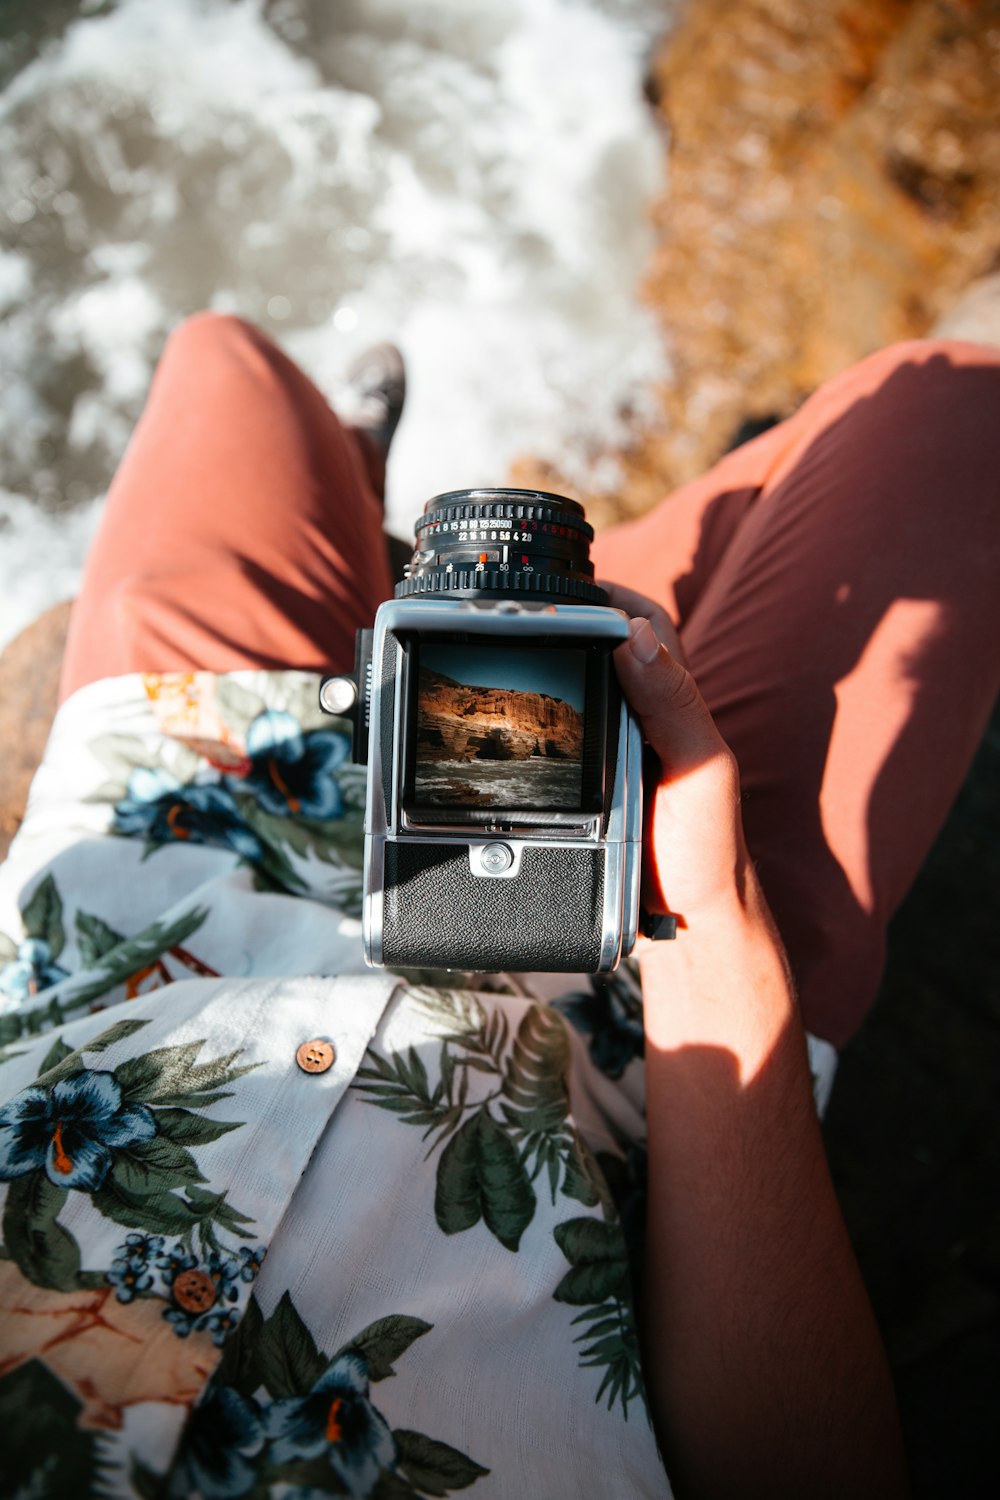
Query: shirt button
x,y
315,1056
195,1291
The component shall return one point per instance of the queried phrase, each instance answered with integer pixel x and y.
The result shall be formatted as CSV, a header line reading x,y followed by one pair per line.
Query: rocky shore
x,y
457,722
833,183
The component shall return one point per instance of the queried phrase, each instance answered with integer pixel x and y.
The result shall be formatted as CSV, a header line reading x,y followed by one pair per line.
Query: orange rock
x,y
29,689
459,722
833,184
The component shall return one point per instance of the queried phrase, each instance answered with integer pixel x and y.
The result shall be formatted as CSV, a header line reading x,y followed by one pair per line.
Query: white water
x,y
505,784
468,177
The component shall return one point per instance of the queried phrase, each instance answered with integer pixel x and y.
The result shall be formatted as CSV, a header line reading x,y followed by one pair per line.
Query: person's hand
x,y
639,607
694,854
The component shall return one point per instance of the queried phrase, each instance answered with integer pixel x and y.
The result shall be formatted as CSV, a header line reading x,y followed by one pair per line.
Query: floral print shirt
x,y
274,1225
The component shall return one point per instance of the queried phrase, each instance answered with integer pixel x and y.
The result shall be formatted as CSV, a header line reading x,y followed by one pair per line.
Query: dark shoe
x,y
377,380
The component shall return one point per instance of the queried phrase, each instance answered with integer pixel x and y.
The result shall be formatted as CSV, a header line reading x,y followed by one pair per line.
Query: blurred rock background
x,y
833,185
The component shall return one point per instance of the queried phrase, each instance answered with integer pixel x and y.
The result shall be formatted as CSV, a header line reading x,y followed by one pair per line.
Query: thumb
x,y
663,694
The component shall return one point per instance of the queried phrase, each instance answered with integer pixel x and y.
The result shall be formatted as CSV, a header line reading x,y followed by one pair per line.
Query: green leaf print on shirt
x,y
46,1451
95,938
44,1251
535,1086
385,1341
114,967
598,1282
29,966
62,1061
119,964
432,1468
42,917
487,1168
481,1176
497,1143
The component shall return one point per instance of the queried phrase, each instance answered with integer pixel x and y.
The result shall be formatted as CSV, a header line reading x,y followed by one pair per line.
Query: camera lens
x,y
493,544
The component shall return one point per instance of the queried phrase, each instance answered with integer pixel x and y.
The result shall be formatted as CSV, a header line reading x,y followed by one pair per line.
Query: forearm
x,y
765,1367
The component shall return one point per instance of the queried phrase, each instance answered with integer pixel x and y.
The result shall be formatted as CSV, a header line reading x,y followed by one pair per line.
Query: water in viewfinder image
x,y
499,729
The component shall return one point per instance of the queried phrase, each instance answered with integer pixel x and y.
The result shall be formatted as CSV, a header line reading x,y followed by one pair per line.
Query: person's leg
x,y
243,528
836,586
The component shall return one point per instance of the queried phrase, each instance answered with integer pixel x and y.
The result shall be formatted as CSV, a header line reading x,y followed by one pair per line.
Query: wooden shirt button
x,y
195,1291
315,1057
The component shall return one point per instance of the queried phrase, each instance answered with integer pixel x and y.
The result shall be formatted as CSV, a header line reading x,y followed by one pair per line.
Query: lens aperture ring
x,y
493,581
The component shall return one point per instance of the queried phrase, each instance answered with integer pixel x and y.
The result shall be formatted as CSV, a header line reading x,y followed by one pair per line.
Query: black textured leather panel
x,y
438,914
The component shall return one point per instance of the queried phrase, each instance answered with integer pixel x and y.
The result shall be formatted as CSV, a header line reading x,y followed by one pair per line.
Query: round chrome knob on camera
x,y
496,858
338,695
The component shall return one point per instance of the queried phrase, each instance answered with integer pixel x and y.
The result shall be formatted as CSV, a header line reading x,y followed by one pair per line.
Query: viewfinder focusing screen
x,y
500,728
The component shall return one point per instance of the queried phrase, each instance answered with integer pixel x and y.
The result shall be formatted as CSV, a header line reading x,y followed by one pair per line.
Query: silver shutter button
x,y
496,858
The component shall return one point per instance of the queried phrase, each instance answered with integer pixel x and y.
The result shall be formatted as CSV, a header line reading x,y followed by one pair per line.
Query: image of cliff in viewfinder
x,y
499,728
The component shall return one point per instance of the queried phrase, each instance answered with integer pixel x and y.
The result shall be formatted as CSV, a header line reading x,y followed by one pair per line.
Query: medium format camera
x,y
504,804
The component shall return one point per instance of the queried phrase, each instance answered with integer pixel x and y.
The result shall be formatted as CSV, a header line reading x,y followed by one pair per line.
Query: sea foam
x,y
471,181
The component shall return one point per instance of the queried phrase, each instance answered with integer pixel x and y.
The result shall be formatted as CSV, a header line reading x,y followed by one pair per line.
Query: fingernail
x,y
643,641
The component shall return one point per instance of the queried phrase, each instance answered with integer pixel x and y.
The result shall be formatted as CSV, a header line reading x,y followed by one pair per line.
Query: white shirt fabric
x,y
406,1274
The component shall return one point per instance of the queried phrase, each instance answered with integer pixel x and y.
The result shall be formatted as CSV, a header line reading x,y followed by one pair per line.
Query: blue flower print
x,y
250,1262
31,971
72,1130
142,1247
129,1278
291,772
335,1420
130,1273
222,1436
172,1262
158,808
225,1272
218,1321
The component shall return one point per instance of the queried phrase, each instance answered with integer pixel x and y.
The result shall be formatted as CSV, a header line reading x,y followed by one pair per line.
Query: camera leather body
x,y
436,913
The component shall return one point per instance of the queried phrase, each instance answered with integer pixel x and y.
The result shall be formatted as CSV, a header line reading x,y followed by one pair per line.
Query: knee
x,y
211,351
936,386
207,334
935,361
